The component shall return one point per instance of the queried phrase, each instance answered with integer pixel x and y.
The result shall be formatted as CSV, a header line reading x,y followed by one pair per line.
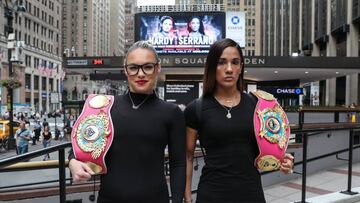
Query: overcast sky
x,y
155,2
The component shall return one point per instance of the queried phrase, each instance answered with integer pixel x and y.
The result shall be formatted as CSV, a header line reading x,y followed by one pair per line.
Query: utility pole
x,y
12,44
9,31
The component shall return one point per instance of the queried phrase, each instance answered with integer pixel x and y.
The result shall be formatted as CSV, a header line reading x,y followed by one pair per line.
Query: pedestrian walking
x,y
46,141
37,131
22,135
45,123
68,130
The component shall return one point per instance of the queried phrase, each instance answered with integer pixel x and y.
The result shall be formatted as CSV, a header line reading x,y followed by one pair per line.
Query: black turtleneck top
x,y
135,160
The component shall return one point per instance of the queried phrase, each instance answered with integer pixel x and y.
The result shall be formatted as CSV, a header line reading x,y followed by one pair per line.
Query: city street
x,y
59,123
131,58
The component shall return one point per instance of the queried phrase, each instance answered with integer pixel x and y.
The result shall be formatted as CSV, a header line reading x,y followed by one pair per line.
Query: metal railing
x,y
310,132
12,163
304,132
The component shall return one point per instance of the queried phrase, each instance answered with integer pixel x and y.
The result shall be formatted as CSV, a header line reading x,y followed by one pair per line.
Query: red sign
x,y
98,62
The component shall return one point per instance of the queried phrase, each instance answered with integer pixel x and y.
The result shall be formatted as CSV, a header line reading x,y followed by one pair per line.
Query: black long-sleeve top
x,y
135,160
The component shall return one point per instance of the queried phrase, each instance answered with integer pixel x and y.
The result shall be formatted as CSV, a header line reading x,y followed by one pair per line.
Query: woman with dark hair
x,y
195,27
166,27
47,137
225,126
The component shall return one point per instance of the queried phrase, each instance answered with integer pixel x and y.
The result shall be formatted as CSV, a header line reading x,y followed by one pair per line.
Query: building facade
x,y
252,15
91,28
130,10
117,28
320,29
86,28
41,70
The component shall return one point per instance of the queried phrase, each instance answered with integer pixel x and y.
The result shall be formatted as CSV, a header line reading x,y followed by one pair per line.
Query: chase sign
x,y
296,91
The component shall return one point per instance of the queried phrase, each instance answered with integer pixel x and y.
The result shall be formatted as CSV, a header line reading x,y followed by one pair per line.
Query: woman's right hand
x,y
188,199
80,171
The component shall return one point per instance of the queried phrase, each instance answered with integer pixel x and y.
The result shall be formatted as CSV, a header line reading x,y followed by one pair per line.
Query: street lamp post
x,y
9,30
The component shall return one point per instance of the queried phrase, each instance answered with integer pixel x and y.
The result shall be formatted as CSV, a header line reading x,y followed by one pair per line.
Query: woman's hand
x,y
287,164
80,171
188,200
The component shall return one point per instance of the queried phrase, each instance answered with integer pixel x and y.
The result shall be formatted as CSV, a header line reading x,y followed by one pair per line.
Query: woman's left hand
x,y
287,164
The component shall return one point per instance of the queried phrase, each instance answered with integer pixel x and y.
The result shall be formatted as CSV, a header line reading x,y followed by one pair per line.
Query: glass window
x,y
51,84
36,82
43,83
27,81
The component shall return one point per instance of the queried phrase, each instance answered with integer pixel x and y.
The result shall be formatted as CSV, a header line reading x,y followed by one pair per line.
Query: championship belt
x,y
272,131
93,132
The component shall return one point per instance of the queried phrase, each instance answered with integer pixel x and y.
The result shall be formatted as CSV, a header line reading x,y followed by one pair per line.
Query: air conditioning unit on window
x,y
17,54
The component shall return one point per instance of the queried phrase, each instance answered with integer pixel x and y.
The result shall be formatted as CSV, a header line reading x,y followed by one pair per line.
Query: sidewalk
x,y
6,154
320,187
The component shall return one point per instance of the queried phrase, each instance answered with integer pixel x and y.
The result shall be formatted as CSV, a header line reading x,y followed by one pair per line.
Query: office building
x,y
91,28
41,70
318,29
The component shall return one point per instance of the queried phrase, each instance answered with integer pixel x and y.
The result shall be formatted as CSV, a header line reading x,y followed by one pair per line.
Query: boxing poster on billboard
x,y
180,33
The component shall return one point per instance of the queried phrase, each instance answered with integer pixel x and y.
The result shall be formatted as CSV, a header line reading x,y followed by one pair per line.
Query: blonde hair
x,y
142,45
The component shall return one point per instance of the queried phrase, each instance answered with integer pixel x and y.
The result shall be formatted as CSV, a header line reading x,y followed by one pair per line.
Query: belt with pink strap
x,y
272,131
93,131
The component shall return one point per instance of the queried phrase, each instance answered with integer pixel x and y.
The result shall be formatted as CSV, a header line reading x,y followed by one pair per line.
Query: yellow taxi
x,y
5,128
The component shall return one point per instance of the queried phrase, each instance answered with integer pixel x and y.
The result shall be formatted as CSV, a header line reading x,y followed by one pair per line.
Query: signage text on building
x,y
77,62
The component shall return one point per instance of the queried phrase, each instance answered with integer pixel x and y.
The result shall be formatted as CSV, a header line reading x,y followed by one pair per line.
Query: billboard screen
x,y
180,33
235,26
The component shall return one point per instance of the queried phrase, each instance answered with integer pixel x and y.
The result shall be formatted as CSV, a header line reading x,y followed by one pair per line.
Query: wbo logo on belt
x,y
92,134
272,131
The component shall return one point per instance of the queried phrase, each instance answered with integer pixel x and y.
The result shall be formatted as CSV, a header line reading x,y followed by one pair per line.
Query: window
x,y
43,83
27,81
36,82
51,84
74,94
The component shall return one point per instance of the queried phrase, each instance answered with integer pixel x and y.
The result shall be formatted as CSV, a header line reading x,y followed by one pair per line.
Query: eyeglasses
x,y
147,68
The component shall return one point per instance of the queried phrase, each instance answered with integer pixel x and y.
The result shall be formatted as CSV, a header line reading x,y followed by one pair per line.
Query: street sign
x,y
54,97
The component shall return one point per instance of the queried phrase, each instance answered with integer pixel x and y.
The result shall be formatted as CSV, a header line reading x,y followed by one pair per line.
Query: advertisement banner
x,y
314,93
180,33
181,92
235,26
24,108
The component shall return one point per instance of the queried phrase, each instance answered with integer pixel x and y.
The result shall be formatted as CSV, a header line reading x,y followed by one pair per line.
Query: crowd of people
x,y
38,131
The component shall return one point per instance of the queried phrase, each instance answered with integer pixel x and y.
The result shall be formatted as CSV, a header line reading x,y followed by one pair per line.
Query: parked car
x,y
5,131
